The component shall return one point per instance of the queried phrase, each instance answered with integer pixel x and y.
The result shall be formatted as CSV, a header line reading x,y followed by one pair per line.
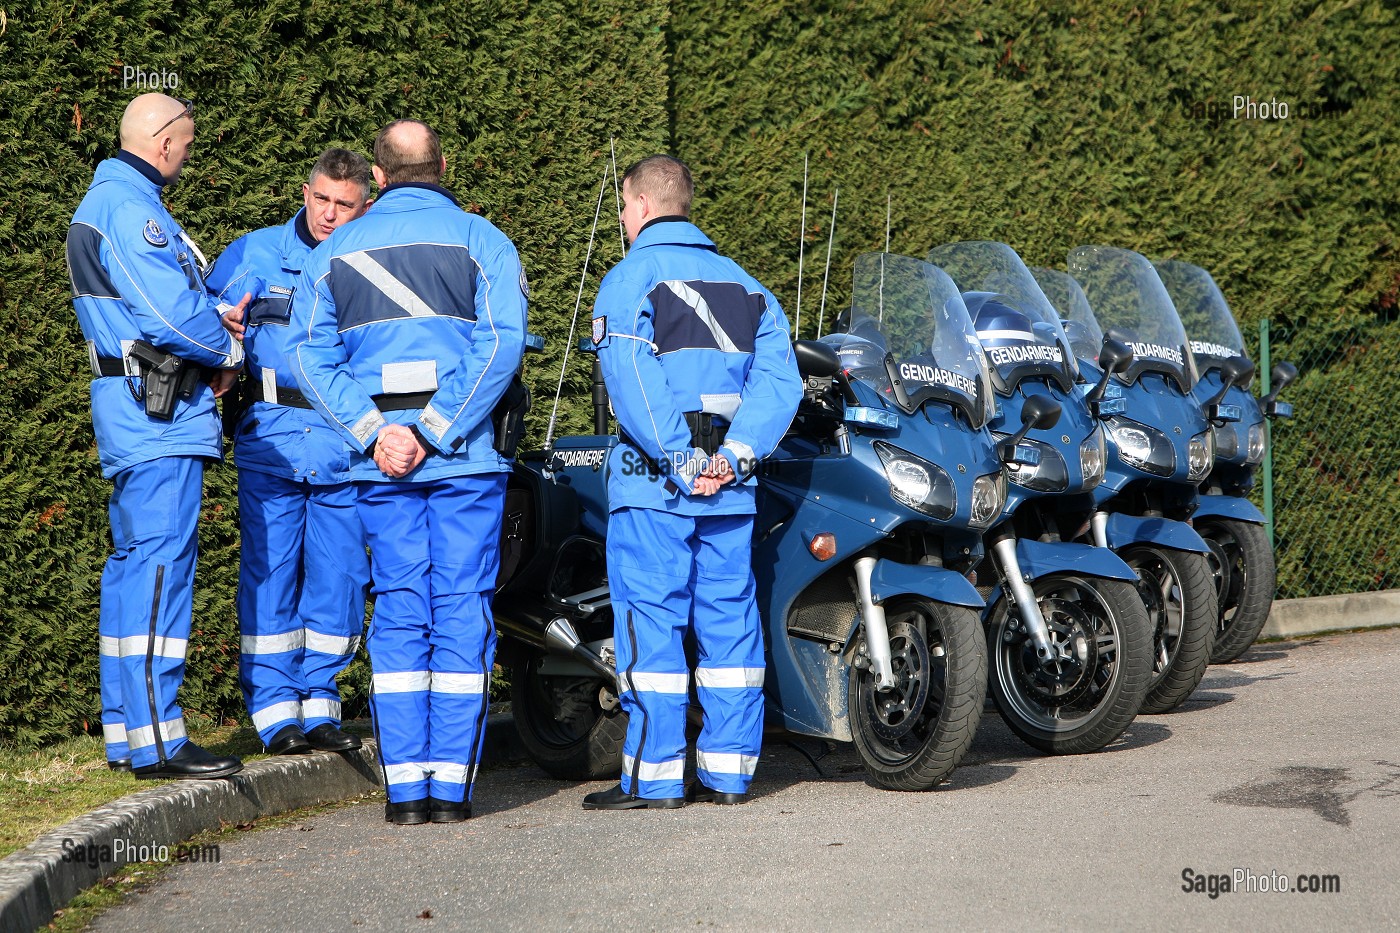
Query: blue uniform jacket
x,y
416,296
136,275
680,328
294,443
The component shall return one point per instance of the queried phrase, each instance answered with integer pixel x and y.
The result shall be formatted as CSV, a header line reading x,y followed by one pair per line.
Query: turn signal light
x,y
823,546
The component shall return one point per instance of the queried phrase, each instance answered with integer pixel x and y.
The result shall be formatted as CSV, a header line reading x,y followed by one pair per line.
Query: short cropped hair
x,y
666,180
342,165
401,163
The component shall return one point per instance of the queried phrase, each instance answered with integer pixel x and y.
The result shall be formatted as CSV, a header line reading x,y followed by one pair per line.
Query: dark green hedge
x,y
1046,129
525,95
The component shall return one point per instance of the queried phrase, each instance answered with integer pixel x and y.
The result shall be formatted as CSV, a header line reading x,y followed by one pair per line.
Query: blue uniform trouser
x,y
302,578
147,598
435,550
669,572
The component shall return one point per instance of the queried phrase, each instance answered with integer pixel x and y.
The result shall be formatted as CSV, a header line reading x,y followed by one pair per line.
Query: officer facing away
x,y
303,571
410,324
700,370
155,344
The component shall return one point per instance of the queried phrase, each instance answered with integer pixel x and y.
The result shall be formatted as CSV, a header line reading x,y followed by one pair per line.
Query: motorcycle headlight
x,y
917,483
1227,441
1142,447
1039,466
988,493
1257,443
1091,459
1200,455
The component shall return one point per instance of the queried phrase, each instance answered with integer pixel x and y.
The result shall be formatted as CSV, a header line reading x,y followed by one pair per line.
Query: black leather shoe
x,y
406,812
448,811
190,761
702,793
327,738
120,764
619,799
289,740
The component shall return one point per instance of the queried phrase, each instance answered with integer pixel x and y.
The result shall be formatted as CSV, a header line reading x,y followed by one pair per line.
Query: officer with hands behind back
x,y
159,358
303,572
700,371
410,325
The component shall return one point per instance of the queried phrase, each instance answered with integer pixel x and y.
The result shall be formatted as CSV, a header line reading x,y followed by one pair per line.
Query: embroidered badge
x,y
600,330
524,285
154,235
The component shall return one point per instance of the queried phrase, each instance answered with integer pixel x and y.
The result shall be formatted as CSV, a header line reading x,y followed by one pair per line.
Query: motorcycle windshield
x,y
1018,327
908,321
1215,337
1076,317
1131,304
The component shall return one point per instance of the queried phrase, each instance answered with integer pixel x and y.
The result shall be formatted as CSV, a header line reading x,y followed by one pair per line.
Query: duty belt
x,y
402,401
292,398
706,432
112,366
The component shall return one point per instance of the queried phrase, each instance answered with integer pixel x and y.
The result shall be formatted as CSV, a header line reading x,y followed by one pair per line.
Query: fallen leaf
x,y
426,915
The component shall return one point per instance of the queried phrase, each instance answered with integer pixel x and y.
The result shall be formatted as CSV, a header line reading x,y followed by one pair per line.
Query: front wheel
x,y
571,726
1179,595
913,736
1242,564
1088,692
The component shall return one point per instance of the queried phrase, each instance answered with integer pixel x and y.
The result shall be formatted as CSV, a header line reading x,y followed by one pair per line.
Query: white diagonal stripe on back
x,y
702,310
384,280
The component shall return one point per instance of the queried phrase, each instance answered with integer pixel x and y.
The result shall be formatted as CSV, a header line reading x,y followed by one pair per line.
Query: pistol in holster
x,y
508,417
165,378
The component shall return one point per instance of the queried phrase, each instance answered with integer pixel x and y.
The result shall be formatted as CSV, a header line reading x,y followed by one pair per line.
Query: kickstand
x,y
827,749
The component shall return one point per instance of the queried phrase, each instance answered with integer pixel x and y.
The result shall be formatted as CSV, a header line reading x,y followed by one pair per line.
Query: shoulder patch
x,y
154,235
600,330
524,284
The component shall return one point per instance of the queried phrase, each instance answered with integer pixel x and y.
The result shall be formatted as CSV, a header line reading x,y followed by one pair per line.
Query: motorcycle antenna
x,y
617,198
882,257
801,249
826,276
573,323
887,221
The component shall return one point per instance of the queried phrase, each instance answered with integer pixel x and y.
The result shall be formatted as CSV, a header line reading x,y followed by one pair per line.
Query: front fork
x,y
1023,596
1098,523
877,633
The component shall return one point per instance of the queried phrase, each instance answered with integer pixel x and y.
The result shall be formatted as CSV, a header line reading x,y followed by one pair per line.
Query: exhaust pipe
x,y
561,638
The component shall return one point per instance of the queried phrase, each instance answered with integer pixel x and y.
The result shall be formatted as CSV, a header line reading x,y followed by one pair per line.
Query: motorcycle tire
x,y
1242,563
913,736
563,724
1178,592
1094,696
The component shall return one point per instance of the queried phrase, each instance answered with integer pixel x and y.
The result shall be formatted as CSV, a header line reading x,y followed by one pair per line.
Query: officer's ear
x,y
380,178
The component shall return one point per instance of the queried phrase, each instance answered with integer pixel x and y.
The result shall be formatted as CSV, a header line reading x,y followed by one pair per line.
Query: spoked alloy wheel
x,y
1088,691
564,725
1179,595
913,736
1242,565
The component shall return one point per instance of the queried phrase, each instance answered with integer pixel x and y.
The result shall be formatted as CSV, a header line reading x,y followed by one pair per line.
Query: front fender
x,y
1228,507
1042,558
891,579
1124,530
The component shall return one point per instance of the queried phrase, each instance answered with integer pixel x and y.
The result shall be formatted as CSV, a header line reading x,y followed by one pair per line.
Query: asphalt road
x,y
1285,762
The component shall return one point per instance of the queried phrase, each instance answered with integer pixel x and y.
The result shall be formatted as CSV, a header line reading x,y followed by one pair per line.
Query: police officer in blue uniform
x,y
700,370
156,345
303,572
410,324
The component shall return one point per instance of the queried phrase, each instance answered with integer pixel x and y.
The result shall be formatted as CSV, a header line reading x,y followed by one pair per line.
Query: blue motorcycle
x,y
869,521
1158,452
1069,642
1241,558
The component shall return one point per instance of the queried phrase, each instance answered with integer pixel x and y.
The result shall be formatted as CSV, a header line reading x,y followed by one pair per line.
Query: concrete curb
x,y
1292,618
36,881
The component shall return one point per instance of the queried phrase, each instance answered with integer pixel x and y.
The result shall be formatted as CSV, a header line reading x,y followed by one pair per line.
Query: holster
x,y
234,403
705,432
165,378
508,418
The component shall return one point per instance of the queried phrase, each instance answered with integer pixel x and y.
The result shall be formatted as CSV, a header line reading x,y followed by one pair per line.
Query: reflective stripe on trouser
x,y
434,548
668,572
302,578
147,597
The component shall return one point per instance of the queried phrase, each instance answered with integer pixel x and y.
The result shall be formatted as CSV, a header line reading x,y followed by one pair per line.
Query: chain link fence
x,y
1336,463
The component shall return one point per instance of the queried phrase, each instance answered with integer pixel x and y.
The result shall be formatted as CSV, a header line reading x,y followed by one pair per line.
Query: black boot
x,y
289,740
407,812
328,738
619,799
190,761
